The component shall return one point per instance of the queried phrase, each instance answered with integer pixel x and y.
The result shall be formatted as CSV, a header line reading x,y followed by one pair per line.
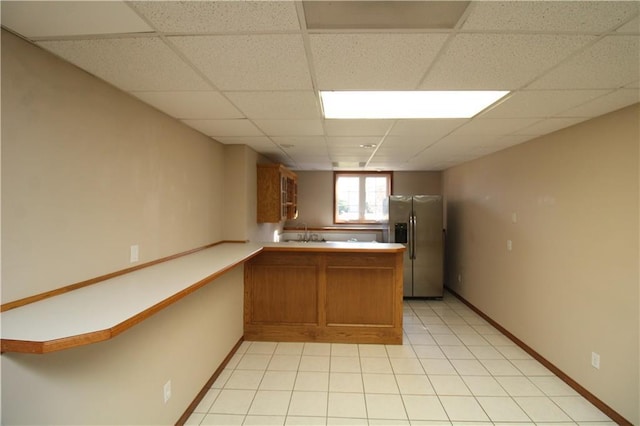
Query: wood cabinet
x,y
324,297
277,193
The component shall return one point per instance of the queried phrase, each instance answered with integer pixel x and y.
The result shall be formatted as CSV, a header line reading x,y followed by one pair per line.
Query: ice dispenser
x,y
400,232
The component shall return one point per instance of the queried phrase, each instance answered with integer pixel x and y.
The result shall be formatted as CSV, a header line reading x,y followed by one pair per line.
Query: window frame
x,y
362,175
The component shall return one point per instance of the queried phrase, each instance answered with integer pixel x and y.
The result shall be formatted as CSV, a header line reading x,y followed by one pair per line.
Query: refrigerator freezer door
x,y
428,263
400,207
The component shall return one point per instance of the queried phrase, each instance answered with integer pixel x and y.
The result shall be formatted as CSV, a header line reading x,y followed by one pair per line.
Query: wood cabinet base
x,y
324,297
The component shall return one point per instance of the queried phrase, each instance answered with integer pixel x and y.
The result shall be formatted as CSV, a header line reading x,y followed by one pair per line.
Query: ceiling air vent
x,y
434,15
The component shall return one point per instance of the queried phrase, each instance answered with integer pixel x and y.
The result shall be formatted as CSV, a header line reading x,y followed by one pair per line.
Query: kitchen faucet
x,y
304,237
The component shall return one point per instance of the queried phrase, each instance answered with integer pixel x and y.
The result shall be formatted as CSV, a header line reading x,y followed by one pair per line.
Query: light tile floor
x,y
453,368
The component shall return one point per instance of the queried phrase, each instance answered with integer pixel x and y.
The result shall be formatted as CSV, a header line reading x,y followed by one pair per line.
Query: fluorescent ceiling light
x,y
407,104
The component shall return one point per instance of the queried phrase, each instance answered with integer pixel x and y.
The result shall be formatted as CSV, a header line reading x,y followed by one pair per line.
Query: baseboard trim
x,y
207,387
614,415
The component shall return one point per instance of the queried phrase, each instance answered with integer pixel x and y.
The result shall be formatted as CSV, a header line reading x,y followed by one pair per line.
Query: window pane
x,y
376,190
348,198
361,197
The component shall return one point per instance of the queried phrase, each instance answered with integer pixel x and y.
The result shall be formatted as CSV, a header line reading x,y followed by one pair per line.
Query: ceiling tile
x,y
373,61
631,27
305,152
298,154
276,105
220,16
290,127
391,151
430,128
389,163
549,16
300,141
404,144
219,128
249,62
70,18
550,125
314,164
348,154
191,104
352,141
132,64
357,127
482,127
544,103
610,63
604,104
499,61
460,142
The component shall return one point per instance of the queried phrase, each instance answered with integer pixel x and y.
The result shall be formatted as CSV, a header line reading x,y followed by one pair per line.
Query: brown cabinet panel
x,y
285,258
319,296
373,260
360,296
277,193
284,295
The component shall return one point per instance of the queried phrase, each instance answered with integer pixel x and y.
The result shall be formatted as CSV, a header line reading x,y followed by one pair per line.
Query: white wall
x,y
570,284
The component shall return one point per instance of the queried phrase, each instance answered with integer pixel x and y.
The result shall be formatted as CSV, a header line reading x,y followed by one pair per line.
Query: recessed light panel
x,y
407,104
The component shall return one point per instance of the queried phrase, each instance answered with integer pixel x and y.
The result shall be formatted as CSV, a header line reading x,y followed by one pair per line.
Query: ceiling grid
x,y
249,72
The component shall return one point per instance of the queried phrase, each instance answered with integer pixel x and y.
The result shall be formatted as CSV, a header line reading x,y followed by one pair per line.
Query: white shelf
x,y
104,306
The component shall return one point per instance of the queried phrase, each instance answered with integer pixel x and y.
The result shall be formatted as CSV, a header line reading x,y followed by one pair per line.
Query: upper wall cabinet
x,y
277,193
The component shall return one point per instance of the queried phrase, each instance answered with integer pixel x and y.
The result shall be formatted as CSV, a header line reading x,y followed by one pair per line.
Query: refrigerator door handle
x,y
412,237
415,233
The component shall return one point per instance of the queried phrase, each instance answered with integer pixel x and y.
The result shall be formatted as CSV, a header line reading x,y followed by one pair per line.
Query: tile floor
x,y
453,368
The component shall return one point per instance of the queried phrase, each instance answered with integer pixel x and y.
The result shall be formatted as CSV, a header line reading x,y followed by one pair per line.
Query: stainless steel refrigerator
x,y
416,221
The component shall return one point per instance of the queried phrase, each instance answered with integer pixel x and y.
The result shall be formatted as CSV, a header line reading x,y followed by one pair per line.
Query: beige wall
x,y
315,193
120,381
88,171
417,183
570,284
241,202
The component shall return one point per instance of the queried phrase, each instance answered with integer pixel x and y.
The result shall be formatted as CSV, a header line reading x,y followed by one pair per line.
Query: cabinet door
x,y
359,290
276,193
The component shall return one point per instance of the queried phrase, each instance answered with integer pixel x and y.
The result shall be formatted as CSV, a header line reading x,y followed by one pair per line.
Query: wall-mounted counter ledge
x,y
101,311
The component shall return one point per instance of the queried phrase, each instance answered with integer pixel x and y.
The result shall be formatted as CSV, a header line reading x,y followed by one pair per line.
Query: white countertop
x,y
106,304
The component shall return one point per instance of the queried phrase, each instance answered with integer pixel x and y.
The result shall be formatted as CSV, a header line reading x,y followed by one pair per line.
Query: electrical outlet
x,y
509,245
167,391
459,278
595,360
134,253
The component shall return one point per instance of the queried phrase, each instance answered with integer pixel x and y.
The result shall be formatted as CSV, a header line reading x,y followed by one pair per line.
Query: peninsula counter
x,y
325,292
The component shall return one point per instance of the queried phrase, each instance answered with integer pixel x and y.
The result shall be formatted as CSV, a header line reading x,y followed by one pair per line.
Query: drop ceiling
x,y
249,72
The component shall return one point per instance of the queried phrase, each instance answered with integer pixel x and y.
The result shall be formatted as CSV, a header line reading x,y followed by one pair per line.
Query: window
x,y
361,197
